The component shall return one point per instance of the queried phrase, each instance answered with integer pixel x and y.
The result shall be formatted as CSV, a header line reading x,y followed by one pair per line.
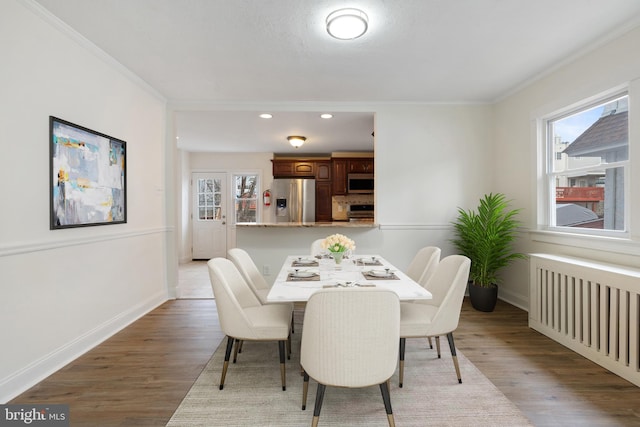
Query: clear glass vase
x,y
337,257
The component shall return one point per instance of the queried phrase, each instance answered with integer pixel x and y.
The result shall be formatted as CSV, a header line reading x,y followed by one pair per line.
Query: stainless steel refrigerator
x,y
295,199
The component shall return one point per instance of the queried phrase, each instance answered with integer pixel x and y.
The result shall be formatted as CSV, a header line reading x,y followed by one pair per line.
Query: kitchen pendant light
x,y
296,141
347,24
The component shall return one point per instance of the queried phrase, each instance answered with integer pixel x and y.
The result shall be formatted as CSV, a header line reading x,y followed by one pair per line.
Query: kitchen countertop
x,y
350,224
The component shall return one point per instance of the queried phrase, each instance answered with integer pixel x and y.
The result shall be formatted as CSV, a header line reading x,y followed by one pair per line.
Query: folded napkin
x,y
291,277
368,276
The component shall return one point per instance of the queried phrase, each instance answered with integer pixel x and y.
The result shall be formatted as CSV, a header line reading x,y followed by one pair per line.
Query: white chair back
x,y
233,296
423,264
448,285
350,336
249,271
316,247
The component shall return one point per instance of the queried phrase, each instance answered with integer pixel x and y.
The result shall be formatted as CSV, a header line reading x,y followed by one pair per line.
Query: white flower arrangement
x,y
338,243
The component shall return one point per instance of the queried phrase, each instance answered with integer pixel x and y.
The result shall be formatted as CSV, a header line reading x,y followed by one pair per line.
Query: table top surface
x,y
302,275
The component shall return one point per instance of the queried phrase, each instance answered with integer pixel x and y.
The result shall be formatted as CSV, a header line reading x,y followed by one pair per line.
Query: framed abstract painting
x,y
88,177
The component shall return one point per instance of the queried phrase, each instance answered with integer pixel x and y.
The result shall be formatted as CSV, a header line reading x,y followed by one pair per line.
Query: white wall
x,y
63,291
428,160
515,171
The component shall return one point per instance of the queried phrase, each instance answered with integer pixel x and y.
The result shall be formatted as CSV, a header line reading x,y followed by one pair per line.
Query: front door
x,y
209,215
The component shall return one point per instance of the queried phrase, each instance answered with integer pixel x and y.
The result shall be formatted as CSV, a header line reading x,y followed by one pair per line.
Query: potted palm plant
x,y
486,236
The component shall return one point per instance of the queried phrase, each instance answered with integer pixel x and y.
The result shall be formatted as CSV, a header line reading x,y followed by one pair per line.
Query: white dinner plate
x,y
379,273
305,261
303,274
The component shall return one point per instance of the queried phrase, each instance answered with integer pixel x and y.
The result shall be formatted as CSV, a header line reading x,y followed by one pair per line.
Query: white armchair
x,y
242,316
350,339
441,315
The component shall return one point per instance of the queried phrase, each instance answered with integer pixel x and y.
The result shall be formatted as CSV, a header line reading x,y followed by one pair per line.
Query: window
x,y
209,199
245,189
588,163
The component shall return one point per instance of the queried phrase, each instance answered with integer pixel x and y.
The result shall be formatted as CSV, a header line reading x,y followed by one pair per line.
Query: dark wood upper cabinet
x,y
323,170
361,165
285,168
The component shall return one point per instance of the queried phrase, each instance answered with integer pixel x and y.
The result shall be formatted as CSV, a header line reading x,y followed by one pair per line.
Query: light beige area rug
x,y
431,396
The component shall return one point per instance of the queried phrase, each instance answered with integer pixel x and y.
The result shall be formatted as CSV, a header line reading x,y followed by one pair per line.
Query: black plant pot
x,y
482,298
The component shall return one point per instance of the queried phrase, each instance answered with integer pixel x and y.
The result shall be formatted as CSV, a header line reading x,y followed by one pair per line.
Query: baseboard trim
x,y
30,375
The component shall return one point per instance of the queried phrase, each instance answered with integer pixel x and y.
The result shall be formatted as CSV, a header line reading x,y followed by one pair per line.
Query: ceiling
x,y
220,62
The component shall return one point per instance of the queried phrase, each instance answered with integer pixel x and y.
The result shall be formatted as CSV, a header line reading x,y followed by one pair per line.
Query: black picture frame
x,y
88,177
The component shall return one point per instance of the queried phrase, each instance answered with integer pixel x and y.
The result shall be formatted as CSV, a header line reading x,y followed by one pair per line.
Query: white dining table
x,y
302,275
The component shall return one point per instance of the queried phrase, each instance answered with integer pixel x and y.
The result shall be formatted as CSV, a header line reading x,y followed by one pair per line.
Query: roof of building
x,y
608,132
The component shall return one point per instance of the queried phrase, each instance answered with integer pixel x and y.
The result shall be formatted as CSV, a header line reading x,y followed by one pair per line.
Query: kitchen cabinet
x,y
323,201
361,165
323,170
285,168
339,181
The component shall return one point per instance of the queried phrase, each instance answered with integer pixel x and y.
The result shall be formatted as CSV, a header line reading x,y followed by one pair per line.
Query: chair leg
x,y
289,347
386,398
305,389
237,350
293,330
438,346
318,406
430,343
403,342
282,370
227,355
452,346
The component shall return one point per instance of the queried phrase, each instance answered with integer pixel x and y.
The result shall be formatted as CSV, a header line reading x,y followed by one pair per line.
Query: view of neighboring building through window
x,y
246,197
588,157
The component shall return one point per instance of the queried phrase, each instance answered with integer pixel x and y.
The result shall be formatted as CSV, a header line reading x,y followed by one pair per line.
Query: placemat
x,y
291,277
391,276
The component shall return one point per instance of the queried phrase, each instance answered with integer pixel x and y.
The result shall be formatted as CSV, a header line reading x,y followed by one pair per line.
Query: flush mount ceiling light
x,y
347,24
296,141
266,116
326,116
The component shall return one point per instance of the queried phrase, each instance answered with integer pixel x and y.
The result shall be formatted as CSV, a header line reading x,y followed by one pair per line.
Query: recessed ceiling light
x,y
266,116
347,24
326,116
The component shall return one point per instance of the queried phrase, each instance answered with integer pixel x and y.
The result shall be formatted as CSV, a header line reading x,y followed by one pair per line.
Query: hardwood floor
x,y
139,376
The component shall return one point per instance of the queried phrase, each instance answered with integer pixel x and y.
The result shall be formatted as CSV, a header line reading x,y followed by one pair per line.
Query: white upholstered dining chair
x,y
243,317
350,339
250,272
316,247
439,316
421,269
423,264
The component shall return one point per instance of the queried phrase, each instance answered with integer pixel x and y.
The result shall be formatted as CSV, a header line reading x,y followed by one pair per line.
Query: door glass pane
x,y
209,196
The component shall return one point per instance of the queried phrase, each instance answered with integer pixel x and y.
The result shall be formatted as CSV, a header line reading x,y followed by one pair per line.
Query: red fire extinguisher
x,y
267,197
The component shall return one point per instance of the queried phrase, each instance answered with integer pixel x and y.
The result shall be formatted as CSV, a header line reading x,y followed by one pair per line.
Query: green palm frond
x,y
486,237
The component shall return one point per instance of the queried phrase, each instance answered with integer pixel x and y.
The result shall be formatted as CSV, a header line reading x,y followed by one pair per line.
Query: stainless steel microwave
x,y
360,183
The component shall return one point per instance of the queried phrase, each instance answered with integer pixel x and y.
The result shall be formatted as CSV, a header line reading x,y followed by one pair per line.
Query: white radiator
x,y
589,307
